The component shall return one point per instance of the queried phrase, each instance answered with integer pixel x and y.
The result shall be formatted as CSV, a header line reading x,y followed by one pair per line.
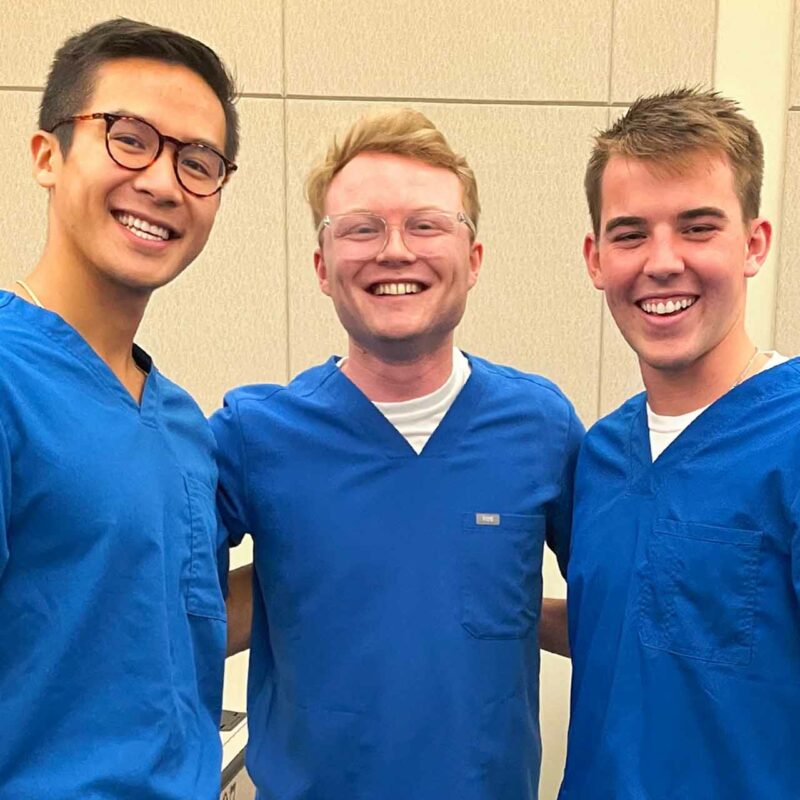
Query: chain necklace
x,y
30,292
743,373
39,303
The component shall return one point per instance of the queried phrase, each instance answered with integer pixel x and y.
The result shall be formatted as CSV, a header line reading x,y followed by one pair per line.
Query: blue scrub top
x,y
397,596
112,620
684,603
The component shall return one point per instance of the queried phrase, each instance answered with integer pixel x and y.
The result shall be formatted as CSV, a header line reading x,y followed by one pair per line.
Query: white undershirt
x,y
417,419
665,429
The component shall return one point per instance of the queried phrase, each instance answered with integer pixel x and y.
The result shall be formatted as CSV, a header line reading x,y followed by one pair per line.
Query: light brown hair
x,y
402,132
668,129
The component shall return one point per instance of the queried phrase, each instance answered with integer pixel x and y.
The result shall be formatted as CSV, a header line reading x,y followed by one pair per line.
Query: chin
x,y
146,282
667,362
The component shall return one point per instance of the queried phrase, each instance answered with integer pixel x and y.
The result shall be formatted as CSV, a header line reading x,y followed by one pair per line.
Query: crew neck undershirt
x,y
417,419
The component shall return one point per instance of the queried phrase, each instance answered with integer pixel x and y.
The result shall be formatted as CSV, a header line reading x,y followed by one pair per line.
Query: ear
x,y
475,263
47,159
758,243
321,268
591,255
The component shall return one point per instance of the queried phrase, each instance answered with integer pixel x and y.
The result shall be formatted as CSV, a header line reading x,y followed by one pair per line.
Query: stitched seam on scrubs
x,y
332,371
194,604
559,501
244,472
794,545
529,377
635,419
5,449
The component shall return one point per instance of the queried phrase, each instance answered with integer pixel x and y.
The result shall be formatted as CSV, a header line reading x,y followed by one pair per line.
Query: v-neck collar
x,y
58,330
374,425
644,473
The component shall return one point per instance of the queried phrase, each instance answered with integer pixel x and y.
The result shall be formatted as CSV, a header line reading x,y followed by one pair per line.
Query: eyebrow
x,y
622,222
684,216
418,210
703,211
205,142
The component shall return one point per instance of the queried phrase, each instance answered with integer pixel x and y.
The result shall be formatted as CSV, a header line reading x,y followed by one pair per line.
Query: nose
x,y
664,258
160,181
394,249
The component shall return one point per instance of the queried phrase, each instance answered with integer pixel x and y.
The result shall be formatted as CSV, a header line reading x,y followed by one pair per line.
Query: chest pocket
x,y
698,591
203,594
502,574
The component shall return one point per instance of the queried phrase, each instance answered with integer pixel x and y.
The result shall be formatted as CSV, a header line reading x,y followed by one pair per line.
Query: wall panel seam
x,y
283,48
490,101
794,56
714,41
286,258
446,100
610,94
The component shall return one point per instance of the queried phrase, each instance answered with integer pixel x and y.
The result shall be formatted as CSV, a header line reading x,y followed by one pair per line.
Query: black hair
x,y
70,82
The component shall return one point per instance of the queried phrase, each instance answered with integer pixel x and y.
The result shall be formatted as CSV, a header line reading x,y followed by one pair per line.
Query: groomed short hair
x,y
71,80
669,129
402,132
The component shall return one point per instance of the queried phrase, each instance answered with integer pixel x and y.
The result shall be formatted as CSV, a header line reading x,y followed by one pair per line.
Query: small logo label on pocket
x,y
487,519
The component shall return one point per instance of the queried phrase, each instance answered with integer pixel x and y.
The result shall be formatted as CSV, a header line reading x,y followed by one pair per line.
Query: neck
x,y
684,389
105,314
391,380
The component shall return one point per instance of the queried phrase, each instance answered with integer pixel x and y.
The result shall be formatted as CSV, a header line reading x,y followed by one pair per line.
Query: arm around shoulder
x,y
553,630
239,604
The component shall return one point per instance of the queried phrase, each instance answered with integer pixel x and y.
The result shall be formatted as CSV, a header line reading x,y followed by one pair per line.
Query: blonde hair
x,y
402,132
668,129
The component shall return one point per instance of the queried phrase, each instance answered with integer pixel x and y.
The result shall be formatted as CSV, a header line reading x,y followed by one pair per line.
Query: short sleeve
x,y
559,529
232,501
5,497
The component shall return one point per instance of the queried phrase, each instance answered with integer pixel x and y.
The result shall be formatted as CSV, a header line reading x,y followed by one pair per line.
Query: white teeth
x,y
142,228
669,307
397,288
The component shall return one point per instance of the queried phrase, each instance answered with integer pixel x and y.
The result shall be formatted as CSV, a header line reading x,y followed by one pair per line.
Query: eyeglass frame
x,y
460,216
111,119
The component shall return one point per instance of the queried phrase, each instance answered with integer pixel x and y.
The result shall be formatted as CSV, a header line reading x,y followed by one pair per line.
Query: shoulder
x,y
260,399
526,386
176,399
25,351
614,428
16,333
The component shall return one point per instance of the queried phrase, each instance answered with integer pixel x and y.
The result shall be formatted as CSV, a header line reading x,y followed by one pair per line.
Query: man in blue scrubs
x,y
684,575
399,500
112,620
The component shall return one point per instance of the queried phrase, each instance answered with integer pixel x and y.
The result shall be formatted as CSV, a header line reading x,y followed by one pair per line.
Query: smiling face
x,y
398,302
138,229
673,256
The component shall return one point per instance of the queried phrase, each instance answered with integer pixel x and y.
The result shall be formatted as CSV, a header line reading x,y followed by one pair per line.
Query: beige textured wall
x,y
787,327
518,85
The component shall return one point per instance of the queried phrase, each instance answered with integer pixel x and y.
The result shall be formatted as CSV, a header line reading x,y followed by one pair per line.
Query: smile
x,y
664,307
143,229
396,288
